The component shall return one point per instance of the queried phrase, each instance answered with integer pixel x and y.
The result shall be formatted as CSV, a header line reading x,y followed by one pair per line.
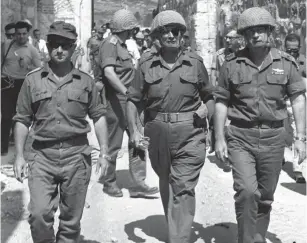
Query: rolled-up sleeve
x,y
205,87
96,108
107,55
24,113
136,90
296,83
222,92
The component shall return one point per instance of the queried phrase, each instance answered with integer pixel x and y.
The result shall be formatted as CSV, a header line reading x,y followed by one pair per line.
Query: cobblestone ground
x,y
126,220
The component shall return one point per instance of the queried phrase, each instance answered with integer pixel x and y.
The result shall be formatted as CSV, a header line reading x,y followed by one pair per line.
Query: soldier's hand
x,y
221,151
103,165
99,85
300,150
139,141
20,168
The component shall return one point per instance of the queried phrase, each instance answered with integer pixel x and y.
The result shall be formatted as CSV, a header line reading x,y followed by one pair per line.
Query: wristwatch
x,y
105,156
300,138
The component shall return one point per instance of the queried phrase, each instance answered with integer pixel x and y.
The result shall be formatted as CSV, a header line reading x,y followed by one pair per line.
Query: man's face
x,y
22,36
37,35
170,37
186,41
293,48
140,42
257,36
10,34
60,49
148,40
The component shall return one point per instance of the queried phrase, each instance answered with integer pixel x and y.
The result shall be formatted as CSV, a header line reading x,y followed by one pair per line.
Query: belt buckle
x,y
169,117
61,144
260,124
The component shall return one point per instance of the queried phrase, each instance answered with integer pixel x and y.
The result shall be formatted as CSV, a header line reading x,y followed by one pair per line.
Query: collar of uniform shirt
x,y
181,57
49,74
273,54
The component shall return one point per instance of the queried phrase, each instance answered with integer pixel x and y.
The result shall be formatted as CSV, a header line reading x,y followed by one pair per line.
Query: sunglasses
x,y
166,30
65,46
292,50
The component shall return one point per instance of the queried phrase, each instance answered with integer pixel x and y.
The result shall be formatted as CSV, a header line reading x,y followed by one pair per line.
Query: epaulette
x,y
230,57
288,57
113,40
194,55
34,71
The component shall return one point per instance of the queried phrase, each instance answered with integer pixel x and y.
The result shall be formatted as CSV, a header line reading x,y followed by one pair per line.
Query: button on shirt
x,y
113,52
177,89
258,95
58,108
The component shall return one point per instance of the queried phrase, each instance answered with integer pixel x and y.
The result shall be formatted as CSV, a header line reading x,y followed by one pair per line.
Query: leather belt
x,y
66,143
257,124
171,117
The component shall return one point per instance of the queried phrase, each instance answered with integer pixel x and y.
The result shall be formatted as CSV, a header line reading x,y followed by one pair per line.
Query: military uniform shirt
x,y
177,89
258,95
113,52
58,108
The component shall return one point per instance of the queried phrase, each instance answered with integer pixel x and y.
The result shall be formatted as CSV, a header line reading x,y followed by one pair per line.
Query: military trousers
x,y
256,156
117,125
58,177
177,153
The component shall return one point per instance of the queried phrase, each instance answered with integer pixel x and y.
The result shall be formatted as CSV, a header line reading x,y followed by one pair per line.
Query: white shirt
x,y
133,50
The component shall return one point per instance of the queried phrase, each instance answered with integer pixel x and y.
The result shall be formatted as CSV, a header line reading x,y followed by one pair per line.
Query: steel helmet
x,y
123,20
253,17
168,17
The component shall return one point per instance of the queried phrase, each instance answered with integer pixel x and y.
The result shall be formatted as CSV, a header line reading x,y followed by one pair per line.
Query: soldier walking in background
x,y
117,72
292,47
170,85
56,99
251,88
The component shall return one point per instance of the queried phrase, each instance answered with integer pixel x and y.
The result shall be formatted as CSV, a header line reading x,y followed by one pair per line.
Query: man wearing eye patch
x,y
169,87
292,47
117,73
251,91
55,101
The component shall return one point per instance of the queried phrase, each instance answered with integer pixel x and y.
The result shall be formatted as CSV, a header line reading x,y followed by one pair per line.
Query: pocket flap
x,y
276,79
41,95
79,95
152,78
189,77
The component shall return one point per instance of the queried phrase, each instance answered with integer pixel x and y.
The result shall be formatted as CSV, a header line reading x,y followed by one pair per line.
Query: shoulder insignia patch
x,y
113,40
230,57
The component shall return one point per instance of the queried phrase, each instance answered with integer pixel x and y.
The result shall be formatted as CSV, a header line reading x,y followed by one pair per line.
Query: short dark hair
x,y
147,30
21,25
35,30
9,26
293,37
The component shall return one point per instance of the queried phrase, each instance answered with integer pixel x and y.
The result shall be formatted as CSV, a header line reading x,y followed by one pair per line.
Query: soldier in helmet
x,y
55,101
117,72
170,85
252,87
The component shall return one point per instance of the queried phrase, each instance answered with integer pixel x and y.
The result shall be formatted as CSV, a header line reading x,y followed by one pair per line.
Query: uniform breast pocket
x,y
42,103
241,85
188,85
276,86
77,105
154,86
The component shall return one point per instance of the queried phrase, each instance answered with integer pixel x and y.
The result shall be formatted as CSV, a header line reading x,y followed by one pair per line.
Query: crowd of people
x,y
151,84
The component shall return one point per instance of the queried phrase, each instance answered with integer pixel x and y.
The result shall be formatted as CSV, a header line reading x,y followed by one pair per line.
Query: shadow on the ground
x,y
83,240
11,212
288,168
296,187
155,227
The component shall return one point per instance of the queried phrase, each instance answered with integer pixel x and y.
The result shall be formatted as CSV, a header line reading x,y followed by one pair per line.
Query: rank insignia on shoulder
x,y
230,56
113,40
278,71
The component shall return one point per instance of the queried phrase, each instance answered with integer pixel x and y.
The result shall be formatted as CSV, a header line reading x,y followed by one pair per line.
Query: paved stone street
x,y
141,220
